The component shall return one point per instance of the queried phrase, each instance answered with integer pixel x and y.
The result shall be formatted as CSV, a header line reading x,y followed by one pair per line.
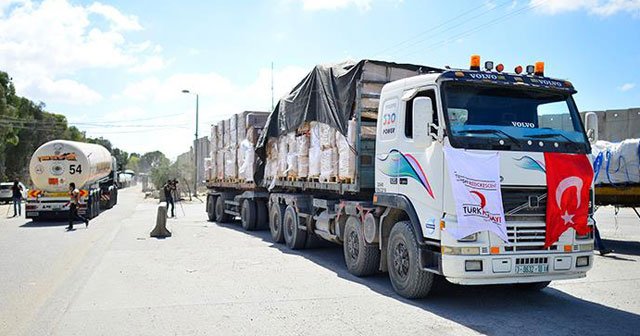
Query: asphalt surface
x,y
216,279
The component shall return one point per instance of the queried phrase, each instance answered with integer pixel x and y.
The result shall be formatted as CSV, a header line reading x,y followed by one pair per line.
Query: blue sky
x,y
116,68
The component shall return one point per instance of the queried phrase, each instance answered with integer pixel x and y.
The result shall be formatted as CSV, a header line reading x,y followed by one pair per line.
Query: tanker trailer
x,y
56,164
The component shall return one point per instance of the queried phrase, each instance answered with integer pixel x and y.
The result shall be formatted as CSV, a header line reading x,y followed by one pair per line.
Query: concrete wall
x,y
617,125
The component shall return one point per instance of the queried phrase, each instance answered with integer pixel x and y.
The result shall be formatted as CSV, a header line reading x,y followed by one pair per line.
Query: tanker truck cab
x,y
518,116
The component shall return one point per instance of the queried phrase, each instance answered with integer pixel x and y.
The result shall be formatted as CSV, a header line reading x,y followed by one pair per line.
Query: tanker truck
x,y
421,172
56,164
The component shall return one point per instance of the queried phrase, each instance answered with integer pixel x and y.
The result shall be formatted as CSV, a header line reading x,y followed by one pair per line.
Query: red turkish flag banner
x,y
569,178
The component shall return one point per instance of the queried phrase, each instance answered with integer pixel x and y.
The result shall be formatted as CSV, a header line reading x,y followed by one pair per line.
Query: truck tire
x,y
262,214
407,277
276,217
294,237
362,259
533,286
211,208
248,215
221,217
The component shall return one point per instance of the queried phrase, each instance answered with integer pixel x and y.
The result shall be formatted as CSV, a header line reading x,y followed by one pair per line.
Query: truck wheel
x,y
221,217
276,215
533,286
248,215
262,214
294,237
407,277
97,204
362,259
211,208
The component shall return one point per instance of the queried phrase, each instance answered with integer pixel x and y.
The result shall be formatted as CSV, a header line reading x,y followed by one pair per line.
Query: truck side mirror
x,y
591,126
422,120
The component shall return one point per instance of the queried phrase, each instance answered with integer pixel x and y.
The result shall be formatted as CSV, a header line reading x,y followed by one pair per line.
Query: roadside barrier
x,y
160,231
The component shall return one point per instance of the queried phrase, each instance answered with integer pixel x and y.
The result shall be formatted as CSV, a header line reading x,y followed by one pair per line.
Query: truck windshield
x,y
523,119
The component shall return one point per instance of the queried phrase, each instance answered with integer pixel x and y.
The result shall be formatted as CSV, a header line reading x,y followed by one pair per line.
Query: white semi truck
x,y
56,164
393,214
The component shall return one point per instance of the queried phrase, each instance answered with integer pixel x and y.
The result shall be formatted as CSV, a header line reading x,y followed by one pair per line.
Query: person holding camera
x,y
168,189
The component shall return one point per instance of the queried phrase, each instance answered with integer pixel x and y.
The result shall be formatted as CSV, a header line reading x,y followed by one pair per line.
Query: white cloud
x,y
316,5
151,64
50,41
118,21
627,86
64,91
597,7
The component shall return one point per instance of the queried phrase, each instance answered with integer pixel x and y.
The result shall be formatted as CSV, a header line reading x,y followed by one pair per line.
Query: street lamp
x,y
195,149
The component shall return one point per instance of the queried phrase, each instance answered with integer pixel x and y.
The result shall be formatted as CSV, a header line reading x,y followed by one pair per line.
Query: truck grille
x,y
525,236
524,204
525,211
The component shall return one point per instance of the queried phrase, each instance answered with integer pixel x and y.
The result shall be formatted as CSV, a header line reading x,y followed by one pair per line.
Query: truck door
x,y
421,170
386,145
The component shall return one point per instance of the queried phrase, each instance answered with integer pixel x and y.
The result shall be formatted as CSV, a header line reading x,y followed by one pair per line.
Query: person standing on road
x,y
17,198
74,194
599,244
168,188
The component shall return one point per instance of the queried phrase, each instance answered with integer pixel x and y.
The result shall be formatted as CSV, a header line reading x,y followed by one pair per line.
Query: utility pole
x,y
272,106
195,153
195,148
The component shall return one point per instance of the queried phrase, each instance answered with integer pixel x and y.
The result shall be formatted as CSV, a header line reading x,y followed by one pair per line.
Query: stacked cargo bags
x,y
232,146
617,162
315,151
212,172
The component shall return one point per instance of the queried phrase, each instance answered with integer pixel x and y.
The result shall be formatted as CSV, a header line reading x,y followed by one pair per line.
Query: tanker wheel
x,y
248,215
407,276
294,237
276,214
362,259
262,214
221,217
211,208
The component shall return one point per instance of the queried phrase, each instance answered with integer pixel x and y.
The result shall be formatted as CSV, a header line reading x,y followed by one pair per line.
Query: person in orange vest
x,y
74,194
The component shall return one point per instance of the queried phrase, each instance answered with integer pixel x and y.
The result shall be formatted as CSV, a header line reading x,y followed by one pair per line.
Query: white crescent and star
x,y
571,181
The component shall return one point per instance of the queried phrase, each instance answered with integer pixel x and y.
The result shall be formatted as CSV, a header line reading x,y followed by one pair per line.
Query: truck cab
x,y
520,116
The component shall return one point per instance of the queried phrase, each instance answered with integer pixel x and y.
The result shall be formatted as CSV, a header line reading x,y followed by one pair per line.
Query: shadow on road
x,y
45,223
623,246
492,310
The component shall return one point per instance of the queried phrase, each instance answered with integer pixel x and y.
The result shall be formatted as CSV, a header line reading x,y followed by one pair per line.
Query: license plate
x,y
532,269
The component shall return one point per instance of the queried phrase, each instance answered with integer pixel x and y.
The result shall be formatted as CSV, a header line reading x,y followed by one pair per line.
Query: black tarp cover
x,y
326,94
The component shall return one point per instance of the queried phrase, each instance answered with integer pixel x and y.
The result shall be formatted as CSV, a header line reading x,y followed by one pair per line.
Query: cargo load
x,y
617,162
337,108
233,143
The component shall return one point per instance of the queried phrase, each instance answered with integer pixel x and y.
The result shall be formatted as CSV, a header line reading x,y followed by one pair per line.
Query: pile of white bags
x,y
617,162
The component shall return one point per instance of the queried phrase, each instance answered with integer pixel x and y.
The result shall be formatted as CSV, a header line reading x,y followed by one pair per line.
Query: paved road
x,y
215,279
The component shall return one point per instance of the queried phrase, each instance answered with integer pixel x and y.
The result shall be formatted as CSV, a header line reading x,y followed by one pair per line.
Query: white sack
x,y
315,149
292,155
220,163
302,146
619,161
246,170
282,156
327,136
329,163
230,163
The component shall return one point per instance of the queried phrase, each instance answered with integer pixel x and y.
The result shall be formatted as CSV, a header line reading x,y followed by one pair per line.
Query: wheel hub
x,y
401,260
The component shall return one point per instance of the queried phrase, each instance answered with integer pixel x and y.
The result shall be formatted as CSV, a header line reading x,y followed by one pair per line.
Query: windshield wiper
x,y
493,131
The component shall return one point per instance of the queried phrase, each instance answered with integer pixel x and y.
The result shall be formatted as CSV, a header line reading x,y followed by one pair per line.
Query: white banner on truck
x,y
475,181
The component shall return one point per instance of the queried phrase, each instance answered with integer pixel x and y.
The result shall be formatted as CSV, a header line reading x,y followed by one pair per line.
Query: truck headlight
x,y
469,238
473,265
582,261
